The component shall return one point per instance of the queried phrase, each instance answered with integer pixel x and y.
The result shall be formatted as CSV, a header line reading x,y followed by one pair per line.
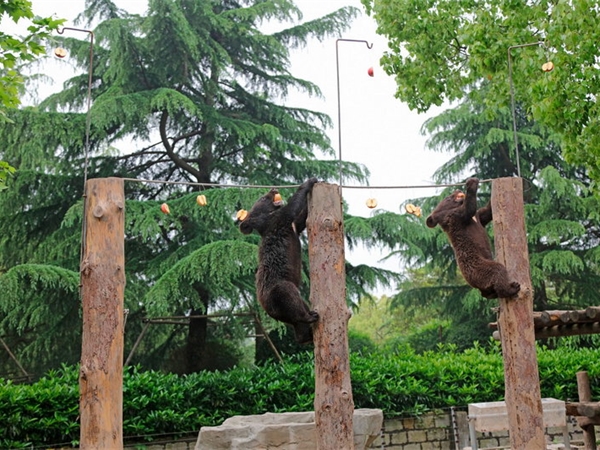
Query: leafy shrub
x,y
429,335
401,383
285,342
360,343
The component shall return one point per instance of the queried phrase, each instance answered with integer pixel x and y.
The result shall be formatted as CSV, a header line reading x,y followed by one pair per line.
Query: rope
x,y
190,183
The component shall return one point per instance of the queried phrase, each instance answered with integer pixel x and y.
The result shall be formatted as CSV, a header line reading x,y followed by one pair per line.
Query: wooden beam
x,y
14,358
334,405
515,319
102,291
593,312
584,409
549,318
575,329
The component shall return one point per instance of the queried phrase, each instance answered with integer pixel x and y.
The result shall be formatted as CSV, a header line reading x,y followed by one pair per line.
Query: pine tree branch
x,y
179,162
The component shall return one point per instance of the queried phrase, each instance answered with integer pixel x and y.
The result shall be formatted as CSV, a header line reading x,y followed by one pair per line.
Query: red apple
x,y
165,208
370,71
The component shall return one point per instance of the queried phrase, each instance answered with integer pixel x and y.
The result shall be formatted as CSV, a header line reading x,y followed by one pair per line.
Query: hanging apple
x,y
371,203
548,66
201,200
414,210
370,71
241,214
165,208
60,52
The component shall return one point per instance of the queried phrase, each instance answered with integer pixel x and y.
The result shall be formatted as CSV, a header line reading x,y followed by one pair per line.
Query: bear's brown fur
x,y
464,224
279,258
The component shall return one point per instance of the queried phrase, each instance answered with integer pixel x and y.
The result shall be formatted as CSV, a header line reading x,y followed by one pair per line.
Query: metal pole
x,y
89,96
337,67
512,100
87,133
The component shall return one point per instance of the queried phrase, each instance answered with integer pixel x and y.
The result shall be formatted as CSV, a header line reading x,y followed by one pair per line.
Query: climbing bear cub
x,y
279,258
464,224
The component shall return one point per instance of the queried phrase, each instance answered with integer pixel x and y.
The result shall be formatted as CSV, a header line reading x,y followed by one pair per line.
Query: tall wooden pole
x,y
334,405
515,319
585,395
102,291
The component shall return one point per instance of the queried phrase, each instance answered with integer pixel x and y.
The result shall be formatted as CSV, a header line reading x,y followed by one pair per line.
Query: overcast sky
x,y
377,130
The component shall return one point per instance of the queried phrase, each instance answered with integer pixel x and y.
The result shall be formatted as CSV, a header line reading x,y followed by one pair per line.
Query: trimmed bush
x,y
46,413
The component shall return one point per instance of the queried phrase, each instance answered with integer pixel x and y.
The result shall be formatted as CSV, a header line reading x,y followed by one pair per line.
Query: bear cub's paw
x,y
515,287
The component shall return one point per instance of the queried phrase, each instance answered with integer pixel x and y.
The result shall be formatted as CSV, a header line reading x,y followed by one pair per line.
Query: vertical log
x,y
515,320
102,291
585,395
334,405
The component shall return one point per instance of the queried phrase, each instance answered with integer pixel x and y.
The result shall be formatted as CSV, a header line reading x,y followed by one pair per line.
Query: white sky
x,y
377,130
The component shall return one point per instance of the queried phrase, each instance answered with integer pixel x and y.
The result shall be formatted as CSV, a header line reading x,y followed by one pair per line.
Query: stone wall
x,y
433,431
437,431
430,431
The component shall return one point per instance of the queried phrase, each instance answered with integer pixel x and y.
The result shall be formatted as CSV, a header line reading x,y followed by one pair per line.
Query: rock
x,y
289,431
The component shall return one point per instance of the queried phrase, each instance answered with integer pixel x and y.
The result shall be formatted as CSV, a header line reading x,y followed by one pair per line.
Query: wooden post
x,y
515,319
334,406
102,291
585,395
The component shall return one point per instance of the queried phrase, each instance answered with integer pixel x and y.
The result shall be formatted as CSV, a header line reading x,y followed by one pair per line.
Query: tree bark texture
x,y
515,319
588,409
334,405
102,291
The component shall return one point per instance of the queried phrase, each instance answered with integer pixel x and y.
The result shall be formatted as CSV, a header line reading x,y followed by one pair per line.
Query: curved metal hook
x,y
337,68
87,136
89,95
512,98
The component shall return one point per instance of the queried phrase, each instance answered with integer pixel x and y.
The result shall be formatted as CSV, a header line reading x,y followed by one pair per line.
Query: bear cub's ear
x,y
245,227
431,222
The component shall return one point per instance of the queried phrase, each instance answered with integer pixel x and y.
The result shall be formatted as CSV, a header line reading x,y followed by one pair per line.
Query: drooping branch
x,y
179,162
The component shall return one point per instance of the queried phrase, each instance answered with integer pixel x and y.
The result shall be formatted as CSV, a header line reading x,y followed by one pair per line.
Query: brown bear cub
x,y
464,224
279,258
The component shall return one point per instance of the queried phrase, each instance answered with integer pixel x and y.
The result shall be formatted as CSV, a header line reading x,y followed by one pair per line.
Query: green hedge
x,y
46,413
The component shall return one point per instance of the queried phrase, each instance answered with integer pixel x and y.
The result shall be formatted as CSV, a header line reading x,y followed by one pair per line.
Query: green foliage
x,y
442,50
38,301
430,335
46,411
14,52
190,94
223,267
559,207
406,383
6,171
360,343
284,340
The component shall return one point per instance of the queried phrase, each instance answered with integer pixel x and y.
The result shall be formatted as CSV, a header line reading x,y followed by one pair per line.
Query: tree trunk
x,y
196,338
102,291
515,319
334,406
